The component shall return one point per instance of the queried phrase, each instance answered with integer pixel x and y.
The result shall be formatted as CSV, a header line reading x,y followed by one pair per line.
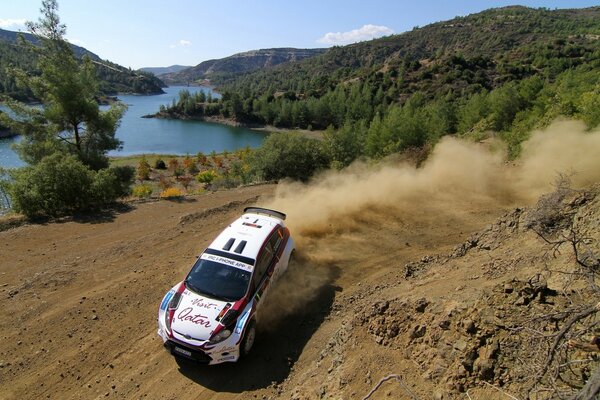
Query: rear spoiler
x,y
266,211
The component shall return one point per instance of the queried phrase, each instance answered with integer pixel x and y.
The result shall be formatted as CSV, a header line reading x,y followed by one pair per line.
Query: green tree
x,y
346,144
60,185
288,155
70,120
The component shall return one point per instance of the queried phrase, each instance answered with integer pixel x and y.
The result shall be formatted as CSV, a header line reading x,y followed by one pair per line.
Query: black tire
x,y
248,340
293,260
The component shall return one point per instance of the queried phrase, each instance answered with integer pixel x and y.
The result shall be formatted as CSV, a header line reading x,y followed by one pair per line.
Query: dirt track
x,y
79,299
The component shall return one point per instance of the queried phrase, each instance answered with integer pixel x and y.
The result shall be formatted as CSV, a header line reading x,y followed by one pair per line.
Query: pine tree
x,y
70,120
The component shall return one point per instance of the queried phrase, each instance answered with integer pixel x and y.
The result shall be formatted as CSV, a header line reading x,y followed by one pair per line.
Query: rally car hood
x,y
196,316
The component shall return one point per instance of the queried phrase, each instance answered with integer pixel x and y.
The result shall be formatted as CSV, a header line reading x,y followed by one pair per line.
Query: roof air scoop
x,y
229,244
240,247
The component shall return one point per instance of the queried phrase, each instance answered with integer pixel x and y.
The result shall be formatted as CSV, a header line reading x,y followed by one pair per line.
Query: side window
x,y
262,264
265,258
276,239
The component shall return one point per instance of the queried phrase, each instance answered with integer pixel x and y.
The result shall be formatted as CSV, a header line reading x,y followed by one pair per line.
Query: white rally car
x,y
211,316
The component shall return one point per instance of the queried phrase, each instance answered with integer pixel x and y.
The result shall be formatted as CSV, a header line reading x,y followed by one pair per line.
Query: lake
x,y
151,135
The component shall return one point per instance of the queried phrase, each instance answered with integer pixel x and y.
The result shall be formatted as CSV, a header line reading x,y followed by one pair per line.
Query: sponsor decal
x,y
203,304
239,327
187,315
166,299
227,261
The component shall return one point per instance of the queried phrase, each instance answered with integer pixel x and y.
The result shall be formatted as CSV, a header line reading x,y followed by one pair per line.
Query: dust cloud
x,y
457,175
342,218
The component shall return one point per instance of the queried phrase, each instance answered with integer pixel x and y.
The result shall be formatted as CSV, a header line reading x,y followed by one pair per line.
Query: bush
x,y
225,182
288,155
193,169
125,175
160,164
201,158
142,191
173,164
186,181
61,185
171,193
143,170
164,182
206,176
178,172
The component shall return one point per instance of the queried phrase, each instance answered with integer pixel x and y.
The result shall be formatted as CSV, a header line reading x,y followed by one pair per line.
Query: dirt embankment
x,y
381,287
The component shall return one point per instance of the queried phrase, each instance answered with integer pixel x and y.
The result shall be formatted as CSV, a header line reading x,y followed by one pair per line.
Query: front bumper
x,y
226,351
179,350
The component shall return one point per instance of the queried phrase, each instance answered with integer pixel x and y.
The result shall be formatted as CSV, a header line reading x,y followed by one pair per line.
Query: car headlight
x,y
230,317
219,337
173,304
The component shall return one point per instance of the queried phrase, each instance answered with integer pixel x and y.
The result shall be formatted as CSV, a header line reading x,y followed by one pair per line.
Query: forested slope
x,y
113,77
507,70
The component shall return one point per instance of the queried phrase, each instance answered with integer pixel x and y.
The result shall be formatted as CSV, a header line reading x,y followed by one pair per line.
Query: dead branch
x,y
559,337
387,378
591,390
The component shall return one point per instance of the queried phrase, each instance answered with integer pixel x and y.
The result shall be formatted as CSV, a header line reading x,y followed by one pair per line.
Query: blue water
x,y
151,135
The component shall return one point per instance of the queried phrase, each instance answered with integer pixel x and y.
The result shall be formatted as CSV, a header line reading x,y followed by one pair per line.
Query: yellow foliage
x,y
170,193
142,191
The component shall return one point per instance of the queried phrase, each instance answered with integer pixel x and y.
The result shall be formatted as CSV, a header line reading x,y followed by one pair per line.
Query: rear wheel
x,y
248,340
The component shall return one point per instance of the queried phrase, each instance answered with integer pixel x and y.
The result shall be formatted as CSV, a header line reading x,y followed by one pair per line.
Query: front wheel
x,y
248,341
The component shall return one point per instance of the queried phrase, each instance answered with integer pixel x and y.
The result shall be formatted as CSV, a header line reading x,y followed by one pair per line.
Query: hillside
x,y
495,45
240,63
113,77
446,290
508,71
158,71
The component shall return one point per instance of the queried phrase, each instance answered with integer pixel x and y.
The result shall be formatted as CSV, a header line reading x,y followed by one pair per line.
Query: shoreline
x,y
267,129
6,133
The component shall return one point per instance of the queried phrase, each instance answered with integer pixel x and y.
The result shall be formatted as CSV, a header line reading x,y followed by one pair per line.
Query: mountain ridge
x,y
158,71
243,62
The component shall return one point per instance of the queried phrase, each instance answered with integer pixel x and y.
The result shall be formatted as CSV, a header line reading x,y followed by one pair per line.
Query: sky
x,y
159,33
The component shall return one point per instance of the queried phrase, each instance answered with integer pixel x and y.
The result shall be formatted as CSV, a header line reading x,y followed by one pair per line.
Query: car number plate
x,y
182,351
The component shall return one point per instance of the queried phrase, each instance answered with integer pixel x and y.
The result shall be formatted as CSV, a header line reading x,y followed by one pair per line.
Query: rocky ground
x,y
379,296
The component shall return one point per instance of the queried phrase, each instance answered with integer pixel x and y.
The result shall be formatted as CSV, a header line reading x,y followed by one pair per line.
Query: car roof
x,y
246,235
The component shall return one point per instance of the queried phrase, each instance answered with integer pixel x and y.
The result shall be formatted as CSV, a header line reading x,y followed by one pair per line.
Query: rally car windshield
x,y
218,281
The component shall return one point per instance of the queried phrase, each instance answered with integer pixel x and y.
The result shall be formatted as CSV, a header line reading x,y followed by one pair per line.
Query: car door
x,y
266,270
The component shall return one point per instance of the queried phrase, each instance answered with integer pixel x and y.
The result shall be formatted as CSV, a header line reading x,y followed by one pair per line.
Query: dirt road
x,y
79,298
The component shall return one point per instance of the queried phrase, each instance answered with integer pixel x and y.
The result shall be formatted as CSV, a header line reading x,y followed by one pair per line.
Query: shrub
x,y
61,185
218,161
164,182
288,155
160,164
187,162
124,175
226,181
201,158
171,193
143,169
193,169
142,191
206,176
186,181
105,187
173,164
178,172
